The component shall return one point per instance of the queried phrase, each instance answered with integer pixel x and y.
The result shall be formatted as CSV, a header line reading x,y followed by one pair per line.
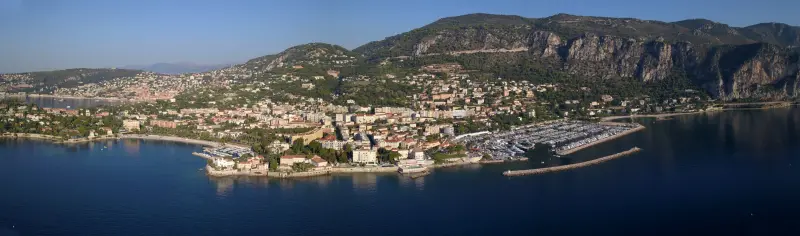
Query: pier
x,y
570,166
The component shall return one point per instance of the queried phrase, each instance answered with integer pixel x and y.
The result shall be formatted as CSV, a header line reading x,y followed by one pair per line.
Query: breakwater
x,y
570,166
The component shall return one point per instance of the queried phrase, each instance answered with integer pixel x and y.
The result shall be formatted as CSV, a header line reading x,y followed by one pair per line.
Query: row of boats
x,y
562,135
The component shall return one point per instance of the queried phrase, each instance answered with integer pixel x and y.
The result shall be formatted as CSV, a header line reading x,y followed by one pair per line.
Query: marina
x,y
564,137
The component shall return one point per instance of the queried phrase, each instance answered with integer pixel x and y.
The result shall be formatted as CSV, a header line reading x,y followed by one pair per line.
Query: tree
x,y
432,137
315,146
273,163
297,146
302,167
394,157
341,157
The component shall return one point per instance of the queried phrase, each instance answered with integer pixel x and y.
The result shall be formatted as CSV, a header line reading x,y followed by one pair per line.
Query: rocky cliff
x,y
759,61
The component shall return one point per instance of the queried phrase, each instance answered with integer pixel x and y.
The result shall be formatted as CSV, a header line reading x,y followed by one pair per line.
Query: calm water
x,y
66,102
731,173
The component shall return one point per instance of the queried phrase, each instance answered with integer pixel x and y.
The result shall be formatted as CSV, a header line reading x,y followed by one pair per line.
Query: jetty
x,y
570,166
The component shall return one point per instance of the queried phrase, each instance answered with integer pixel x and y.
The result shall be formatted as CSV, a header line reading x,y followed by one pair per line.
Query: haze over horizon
x,y
49,35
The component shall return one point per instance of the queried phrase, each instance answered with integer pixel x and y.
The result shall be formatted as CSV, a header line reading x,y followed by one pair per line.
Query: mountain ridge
x,y
757,61
728,62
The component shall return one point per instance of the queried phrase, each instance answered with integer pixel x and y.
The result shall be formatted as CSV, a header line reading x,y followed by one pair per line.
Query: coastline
x,y
56,139
766,105
659,116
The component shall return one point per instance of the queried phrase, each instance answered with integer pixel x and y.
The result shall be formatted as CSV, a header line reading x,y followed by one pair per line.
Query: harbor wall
x,y
219,173
570,166
365,170
281,175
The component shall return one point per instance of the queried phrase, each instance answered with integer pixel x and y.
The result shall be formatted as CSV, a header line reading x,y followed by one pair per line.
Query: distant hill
x,y
46,81
319,55
176,68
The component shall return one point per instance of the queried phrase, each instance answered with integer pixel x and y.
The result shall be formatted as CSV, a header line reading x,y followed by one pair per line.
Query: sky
x,y
57,34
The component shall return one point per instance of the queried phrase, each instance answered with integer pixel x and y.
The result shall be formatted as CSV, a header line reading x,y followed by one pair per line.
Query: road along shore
x,y
570,166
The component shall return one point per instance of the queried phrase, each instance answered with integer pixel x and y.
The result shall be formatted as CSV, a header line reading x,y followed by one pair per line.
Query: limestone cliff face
x,y
750,71
729,72
759,61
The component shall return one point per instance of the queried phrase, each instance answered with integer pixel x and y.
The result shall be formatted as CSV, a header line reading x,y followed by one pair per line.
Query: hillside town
x,y
294,117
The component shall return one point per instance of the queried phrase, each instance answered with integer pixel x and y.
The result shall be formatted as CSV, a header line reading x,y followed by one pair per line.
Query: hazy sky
x,y
57,34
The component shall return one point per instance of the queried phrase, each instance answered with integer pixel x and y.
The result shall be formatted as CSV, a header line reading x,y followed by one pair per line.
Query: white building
x,y
289,160
365,118
365,156
318,161
418,154
333,144
224,163
130,125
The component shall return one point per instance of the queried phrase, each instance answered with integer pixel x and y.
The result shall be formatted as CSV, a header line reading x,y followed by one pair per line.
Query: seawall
x,y
570,166
219,173
393,169
282,175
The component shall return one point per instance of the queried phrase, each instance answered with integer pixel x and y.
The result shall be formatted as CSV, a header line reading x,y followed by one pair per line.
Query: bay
x,y
722,173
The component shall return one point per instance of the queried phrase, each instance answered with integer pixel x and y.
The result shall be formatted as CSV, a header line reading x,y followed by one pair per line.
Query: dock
x,y
570,166
564,136
601,140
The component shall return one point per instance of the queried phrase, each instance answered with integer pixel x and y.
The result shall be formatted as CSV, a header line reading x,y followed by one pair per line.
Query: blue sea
x,y
726,173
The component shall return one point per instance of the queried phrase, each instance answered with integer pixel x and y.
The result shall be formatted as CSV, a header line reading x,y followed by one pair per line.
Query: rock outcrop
x,y
759,61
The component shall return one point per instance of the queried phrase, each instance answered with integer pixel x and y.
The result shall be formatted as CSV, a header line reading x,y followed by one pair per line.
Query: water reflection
x,y
418,183
131,146
365,181
223,184
227,183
